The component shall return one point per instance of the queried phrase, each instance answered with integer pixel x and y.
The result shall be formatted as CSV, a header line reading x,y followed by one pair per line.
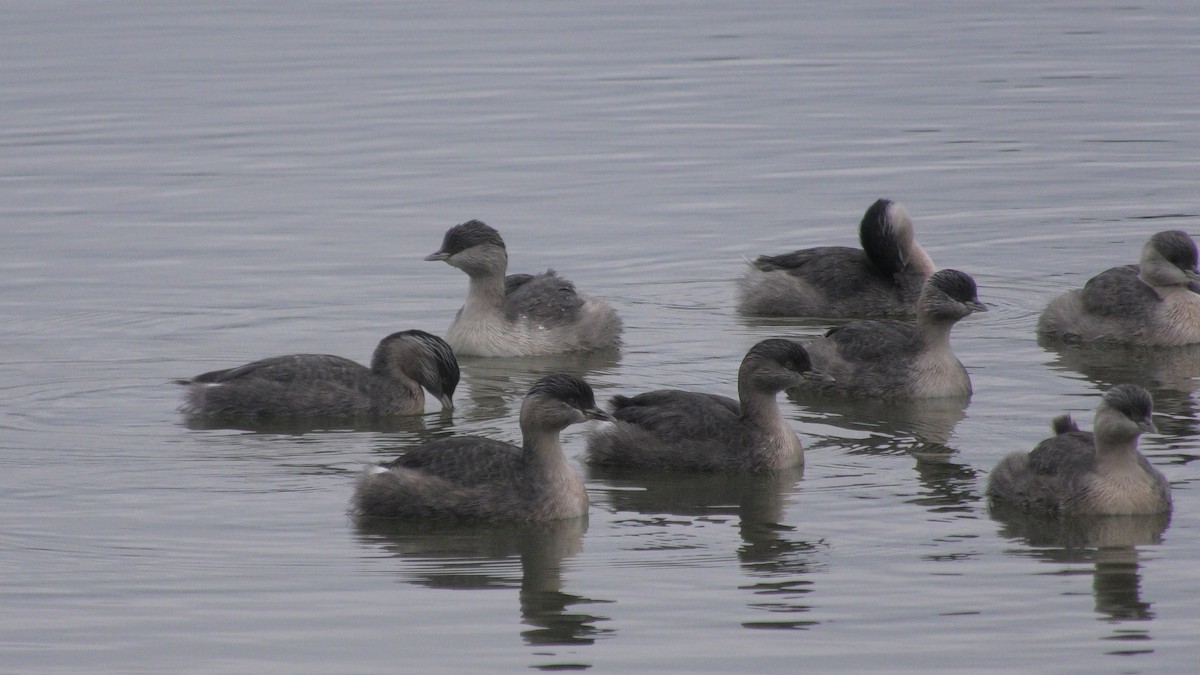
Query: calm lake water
x,y
191,186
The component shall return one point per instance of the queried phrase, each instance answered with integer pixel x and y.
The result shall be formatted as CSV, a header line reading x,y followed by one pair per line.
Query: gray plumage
x,y
888,358
673,429
1151,304
883,279
326,386
474,478
1077,472
519,314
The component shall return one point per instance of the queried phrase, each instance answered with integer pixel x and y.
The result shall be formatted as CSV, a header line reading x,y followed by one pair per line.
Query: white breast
x,y
1178,319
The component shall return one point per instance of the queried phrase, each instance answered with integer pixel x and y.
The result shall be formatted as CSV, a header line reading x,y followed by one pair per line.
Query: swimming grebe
x,y
881,280
889,358
674,429
1080,472
1151,304
521,314
475,478
322,385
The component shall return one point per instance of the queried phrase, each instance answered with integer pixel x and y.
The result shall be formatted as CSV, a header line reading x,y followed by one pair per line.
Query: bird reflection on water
x,y
1170,374
414,424
900,423
1112,544
783,563
490,383
469,557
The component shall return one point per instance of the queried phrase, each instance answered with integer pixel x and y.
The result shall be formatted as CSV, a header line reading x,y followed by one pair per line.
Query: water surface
x,y
193,187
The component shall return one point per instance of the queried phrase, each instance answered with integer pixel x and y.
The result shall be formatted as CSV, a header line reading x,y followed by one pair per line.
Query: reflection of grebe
x,y
1170,374
474,478
458,556
881,280
521,314
776,557
1152,304
1078,472
897,359
1111,543
1165,368
674,429
490,383
893,424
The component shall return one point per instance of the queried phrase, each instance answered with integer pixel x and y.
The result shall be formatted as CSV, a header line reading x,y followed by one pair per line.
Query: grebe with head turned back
x,y
883,279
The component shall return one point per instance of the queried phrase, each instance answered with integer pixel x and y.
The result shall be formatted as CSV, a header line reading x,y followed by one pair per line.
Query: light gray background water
x,y
189,187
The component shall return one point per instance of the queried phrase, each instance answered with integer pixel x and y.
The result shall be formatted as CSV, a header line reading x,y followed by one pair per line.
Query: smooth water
x,y
191,186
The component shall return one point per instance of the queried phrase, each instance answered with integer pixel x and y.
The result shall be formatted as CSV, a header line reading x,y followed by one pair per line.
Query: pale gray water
x,y
187,188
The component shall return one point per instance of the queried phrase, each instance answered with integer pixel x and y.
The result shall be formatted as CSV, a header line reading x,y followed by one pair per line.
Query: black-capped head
x,y
1177,248
473,248
1169,260
1134,403
886,235
787,353
775,364
424,357
567,388
556,401
465,236
877,212
949,295
958,285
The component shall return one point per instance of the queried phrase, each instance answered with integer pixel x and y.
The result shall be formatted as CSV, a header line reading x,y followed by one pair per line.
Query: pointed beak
x,y
976,306
598,414
439,255
1147,426
447,404
814,375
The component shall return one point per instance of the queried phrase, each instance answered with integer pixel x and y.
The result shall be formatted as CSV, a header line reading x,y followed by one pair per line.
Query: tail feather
x,y
1063,424
617,402
879,238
